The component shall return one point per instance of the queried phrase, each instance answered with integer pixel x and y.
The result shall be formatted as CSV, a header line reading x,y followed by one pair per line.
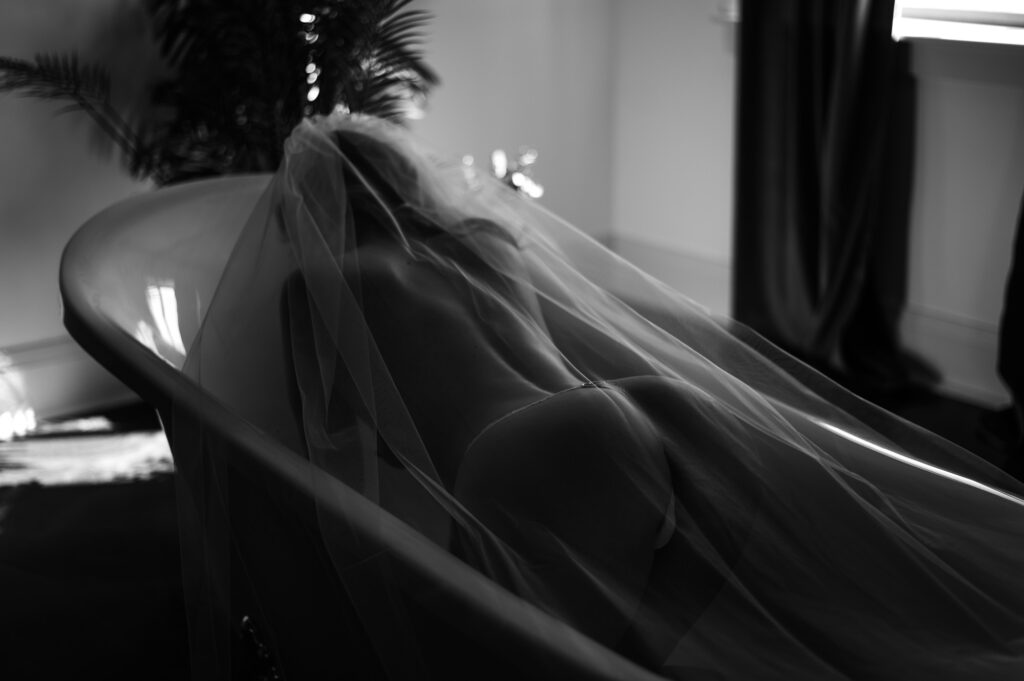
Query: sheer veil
x,y
662,480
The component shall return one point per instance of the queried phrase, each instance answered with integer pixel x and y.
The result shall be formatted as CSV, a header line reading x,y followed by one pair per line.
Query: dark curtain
x,y
1011,325
1007,426
825,148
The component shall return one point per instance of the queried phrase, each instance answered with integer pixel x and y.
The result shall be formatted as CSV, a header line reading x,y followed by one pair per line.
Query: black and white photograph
x,y
512,340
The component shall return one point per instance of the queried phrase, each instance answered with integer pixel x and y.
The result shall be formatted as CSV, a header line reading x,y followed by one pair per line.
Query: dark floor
x,y
89,578
89,581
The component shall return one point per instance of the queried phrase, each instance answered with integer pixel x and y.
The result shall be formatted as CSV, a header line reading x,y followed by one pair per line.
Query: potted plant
x,y
238,76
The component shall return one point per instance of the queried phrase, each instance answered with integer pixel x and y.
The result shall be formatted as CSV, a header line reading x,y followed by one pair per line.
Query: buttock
x,y
572,486
572,443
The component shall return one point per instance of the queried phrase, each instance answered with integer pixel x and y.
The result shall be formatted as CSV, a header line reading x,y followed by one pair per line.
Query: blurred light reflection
x,y
916,463
17,418
163,306
978,21
85,459
164,334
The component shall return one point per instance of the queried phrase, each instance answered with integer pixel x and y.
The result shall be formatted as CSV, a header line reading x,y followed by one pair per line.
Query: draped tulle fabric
x,y
664,481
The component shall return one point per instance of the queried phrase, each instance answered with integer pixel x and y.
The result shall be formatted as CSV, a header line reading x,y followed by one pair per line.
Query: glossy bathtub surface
x,y
149,265
136,281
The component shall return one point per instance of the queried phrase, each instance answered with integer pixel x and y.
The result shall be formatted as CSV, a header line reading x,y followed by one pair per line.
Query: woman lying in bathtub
x,y
665,482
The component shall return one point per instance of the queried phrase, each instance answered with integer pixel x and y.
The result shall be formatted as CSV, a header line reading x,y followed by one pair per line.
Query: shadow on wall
x,y
969,176
51,181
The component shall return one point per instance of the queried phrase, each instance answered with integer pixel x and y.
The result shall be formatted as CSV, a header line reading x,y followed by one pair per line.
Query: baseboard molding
x,y
705,280
60,379
964,350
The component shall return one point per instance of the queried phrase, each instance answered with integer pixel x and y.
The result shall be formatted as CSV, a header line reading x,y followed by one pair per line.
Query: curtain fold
x,y
824,174
1006,427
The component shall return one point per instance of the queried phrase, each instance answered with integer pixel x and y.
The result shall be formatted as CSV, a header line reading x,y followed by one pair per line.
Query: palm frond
x,y
62,76
237,80
392,62
54,77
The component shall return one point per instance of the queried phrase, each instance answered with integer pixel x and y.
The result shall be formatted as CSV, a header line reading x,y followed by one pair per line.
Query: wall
x,y
533,73
652,174
969,177
630,104
672,181
50,183
673,138
524,72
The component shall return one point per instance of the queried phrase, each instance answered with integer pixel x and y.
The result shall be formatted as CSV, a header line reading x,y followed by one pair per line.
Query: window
x,y
980,21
